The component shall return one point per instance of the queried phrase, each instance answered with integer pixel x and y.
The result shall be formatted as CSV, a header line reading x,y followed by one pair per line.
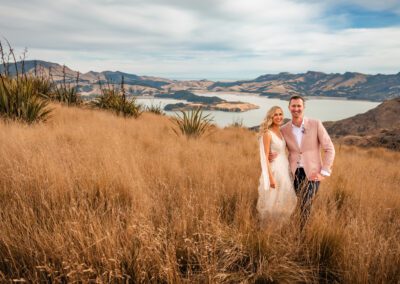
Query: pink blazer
x,y
315,137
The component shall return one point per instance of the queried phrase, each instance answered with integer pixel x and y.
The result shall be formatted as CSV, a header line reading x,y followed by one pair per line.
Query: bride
x,y
276,196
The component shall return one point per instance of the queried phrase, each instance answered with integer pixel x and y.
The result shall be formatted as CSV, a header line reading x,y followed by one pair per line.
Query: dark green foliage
x,y
22,97
193,123
21,100
114,99
67,93
156,109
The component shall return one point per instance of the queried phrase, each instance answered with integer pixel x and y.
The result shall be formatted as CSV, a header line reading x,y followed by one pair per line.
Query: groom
x,y
304,139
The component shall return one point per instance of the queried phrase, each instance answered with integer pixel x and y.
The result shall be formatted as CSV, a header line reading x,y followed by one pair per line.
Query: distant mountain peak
x,y
351,85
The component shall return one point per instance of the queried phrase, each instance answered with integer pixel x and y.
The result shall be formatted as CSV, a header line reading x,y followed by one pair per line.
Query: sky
x,y
207,39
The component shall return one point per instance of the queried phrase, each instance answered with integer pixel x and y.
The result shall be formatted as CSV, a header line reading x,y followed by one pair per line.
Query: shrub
x,y
22,96
114,99
66,92
20,100
156,109
193,123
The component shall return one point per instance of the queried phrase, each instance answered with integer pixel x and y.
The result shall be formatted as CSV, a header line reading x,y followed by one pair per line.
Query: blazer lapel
x,y
305,120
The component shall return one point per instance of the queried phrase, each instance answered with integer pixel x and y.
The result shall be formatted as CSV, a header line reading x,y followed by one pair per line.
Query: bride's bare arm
x,y
267,145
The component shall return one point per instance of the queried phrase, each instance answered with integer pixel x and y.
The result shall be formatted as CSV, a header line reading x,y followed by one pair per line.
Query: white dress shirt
x,y
298,134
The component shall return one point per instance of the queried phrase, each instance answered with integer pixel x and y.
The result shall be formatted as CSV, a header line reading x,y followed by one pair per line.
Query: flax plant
x,y
156,109
193,123
19,100
67,93
22,97
114,99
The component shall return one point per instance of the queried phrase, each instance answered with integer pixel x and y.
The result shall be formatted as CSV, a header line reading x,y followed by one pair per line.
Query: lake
x,y
320,108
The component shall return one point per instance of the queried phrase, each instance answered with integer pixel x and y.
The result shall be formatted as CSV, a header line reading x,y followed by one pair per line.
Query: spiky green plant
x,y
108,98
22,96
42,84
20,100
193,123
114,99
67,93
130,108
156,109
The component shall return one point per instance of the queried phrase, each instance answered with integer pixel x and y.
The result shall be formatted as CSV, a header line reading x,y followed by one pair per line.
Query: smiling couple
x,y
287,180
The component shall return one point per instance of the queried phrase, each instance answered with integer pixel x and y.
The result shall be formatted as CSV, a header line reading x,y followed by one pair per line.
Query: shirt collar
x,y
301,126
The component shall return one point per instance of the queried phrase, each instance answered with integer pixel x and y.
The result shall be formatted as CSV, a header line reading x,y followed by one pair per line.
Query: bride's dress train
x,y
275,203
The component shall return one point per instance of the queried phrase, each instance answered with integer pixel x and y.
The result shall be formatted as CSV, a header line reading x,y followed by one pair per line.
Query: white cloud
x,y
197,38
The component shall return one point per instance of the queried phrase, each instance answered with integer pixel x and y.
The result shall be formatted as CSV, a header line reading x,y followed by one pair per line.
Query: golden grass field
x,y
92,197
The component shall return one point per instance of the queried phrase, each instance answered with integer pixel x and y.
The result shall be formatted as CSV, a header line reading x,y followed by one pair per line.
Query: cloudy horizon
x,y
206,39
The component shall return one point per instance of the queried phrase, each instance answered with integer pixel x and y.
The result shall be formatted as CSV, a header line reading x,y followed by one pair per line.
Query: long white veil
x,y
264,168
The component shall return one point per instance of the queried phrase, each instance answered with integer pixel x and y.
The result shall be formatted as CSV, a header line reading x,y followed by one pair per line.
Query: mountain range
x,y
349,85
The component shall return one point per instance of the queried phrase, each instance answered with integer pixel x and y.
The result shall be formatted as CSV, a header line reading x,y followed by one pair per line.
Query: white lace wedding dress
x,y
279,202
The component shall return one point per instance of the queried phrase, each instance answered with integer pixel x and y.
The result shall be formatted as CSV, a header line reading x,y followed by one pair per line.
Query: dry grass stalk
x,y
90,196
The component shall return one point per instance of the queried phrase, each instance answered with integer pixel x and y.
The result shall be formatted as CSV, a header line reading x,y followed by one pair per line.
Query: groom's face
x,y
296,108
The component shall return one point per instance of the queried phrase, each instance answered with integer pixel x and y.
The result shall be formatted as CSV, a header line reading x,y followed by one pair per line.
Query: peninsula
x,y
207,103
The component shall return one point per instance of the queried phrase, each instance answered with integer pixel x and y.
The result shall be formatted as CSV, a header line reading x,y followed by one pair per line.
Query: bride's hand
x,y
272,156
272,183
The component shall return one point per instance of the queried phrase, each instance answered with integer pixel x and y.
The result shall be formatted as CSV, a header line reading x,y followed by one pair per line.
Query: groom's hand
x,y
272,156
317,177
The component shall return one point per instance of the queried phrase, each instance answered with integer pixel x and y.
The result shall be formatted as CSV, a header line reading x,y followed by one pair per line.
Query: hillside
x,y
349,85
89,82
379,127
90,197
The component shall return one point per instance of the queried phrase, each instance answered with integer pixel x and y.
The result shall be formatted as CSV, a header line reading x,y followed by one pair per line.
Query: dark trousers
x,y
305,191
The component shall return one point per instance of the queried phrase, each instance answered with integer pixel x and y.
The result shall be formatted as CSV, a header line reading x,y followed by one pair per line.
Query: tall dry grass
x,y
90,196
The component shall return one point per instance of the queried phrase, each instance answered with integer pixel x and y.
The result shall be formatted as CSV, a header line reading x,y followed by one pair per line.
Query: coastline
x,y
308,98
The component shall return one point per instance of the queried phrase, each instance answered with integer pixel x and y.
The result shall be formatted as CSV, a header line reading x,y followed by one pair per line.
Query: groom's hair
x,y
296,97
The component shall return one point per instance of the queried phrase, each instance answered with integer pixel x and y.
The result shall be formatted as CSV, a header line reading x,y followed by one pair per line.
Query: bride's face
x,y
277,117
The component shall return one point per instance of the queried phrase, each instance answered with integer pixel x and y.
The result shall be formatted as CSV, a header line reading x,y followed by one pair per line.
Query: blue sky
x,y
213,39
361,17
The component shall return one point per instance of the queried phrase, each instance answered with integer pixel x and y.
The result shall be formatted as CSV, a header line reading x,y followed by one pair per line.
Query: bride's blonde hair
x,y
268,120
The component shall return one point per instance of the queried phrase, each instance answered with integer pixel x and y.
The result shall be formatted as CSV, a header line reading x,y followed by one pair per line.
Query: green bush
x,y
67,93
20,99
42,85
156,109
114,99
193,123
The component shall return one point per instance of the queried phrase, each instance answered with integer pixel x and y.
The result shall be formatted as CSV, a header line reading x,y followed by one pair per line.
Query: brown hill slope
x,y
377,127
378,87
348,85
